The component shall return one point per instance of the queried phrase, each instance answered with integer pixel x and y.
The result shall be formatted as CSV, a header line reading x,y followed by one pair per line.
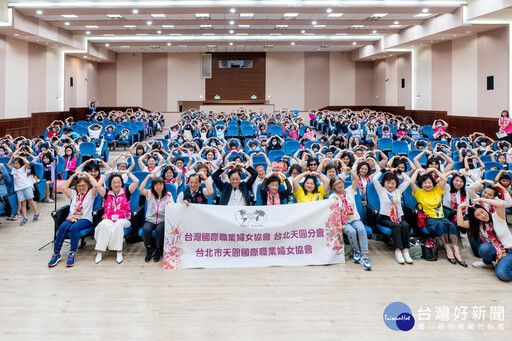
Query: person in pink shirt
x,y
110,231
505,124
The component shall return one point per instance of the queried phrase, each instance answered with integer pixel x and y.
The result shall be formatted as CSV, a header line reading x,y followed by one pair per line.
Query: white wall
x,y
392,81
184,79
342,79
129,79
423,78
464,76
285,80
16,76
53,79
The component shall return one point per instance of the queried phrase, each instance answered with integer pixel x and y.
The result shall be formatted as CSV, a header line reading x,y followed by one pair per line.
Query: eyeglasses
x,y
313,164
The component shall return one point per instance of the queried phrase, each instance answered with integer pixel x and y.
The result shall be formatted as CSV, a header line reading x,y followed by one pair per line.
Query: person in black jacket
x,y
273,196
236,192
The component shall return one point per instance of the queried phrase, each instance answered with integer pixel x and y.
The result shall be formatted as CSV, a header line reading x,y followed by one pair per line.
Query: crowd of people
x,y
253,158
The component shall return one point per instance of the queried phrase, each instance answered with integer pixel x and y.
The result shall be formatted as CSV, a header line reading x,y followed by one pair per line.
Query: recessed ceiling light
x,y
292,43
396,23
281,27
135,11
85,57
231,31
425,10
319,26
88,32
107,45
468,32
91,26
168,44
202,16
230,44
246,15
290,15
334,15
377,16
130,26
158,15
354,43
17,34
69,16
244,26
231,22
442,38
39,12
159,32
313,22
66,23
149,23
302,31
328,10
232,10
374,31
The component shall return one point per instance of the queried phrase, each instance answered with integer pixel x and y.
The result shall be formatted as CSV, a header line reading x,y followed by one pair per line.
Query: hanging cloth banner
x,y
205,236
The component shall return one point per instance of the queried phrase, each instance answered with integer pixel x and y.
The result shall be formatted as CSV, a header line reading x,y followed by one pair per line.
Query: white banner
x,y
205,236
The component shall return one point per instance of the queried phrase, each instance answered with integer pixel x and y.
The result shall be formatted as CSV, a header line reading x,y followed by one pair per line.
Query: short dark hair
x,y
424,178
115,176
310,177
388,176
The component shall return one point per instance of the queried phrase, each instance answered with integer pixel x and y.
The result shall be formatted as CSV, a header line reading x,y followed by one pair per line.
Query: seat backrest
x,y
87,148
372,196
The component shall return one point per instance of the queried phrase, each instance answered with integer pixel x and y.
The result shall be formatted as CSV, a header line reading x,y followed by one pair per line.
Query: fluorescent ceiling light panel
x,y
290,15
281,27
355,27
246,15
206,27
167,26
69,16
334,15
244,26
130,26
202,16
158,15
91,26
115,16
422,15
395,26
319,26
378,15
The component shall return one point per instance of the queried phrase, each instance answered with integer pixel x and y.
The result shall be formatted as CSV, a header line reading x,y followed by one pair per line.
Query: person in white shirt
x,y
80,215
391,212
23,186
492,233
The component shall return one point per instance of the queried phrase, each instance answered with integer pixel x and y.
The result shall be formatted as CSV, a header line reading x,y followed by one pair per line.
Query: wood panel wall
x,y
237,83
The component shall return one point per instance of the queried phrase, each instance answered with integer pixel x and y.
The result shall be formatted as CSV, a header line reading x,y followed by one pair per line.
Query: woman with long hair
x,y
492,233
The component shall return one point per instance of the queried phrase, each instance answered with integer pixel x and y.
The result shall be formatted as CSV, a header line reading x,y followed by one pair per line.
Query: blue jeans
x,y
74,234
503,268
441,226
355,230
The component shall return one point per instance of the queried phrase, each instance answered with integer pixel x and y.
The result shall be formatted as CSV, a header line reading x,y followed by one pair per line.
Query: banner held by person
x,y
204,236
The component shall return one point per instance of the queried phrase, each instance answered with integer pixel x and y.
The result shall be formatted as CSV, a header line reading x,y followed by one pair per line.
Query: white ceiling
x,y
186,34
